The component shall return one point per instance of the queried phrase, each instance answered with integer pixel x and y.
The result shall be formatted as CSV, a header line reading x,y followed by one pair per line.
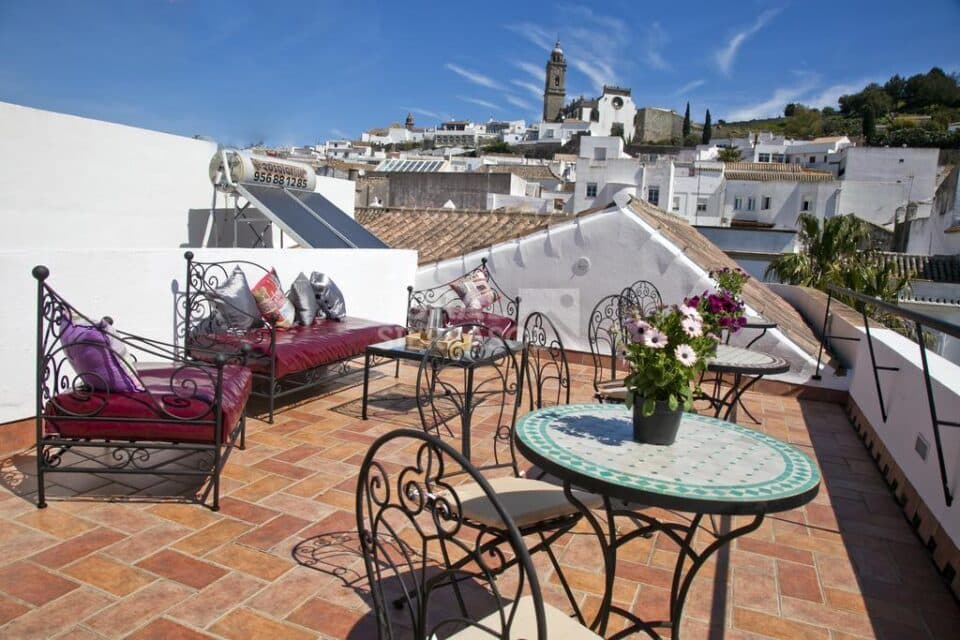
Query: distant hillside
x,y
914,111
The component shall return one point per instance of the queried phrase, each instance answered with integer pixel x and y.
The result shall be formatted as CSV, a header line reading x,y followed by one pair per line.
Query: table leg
x,y
689,562
467,413
608,548
733,398
762,333
366,383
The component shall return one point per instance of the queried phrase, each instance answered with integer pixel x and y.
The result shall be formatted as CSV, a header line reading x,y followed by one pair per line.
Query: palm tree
x,y
729,154
837,252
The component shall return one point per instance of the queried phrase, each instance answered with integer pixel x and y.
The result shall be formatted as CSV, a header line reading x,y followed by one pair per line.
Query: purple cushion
x,y
89,351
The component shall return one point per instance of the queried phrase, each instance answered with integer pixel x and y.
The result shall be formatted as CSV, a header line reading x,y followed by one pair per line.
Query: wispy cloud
x,y
472,76
657,39
595,45
690,86
534,71
518,102
829,96
430,114
724,57
482,103
529,86
533,33
339,133
773,106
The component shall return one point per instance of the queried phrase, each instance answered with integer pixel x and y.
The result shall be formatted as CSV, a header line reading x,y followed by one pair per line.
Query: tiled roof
x,y
708,256
525,171
774,171
935,268
438,234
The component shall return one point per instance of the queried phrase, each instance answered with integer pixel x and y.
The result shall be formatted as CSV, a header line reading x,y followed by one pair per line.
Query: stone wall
x,y
653,125
433,190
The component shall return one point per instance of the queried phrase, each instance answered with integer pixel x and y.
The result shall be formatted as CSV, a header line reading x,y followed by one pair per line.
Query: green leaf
x,y
649,404
672,402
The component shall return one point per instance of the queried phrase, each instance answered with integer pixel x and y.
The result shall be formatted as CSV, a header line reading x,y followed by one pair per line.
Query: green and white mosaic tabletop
x,y
713,467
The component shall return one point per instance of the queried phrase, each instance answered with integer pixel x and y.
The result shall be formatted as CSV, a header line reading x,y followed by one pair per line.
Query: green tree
x,y
869,125
873,95
804,123
497,147
686,122
707,129
616,130
932,88
790,109
896,88
836,252
729,154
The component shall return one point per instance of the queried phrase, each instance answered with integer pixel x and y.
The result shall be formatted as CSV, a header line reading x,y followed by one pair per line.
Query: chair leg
x,y
243,431
396,373
41,493
563,580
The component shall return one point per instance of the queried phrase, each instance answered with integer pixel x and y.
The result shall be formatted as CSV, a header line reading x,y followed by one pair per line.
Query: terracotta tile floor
x,y
124,559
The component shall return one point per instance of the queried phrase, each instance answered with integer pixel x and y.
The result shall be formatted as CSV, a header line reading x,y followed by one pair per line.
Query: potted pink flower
x,y
667,351
723,309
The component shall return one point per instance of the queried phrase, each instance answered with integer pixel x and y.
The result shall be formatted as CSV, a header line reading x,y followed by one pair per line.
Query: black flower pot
x,y
658,428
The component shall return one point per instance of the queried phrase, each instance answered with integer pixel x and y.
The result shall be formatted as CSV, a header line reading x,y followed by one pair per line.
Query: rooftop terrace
x,y
280,559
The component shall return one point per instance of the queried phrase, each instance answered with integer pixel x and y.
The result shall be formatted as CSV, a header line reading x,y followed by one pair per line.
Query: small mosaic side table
x,y
713,468
740,362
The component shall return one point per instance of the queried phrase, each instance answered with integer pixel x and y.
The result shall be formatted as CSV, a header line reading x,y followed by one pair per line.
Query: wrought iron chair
x,y
539,508
421,544
548,372
643,296
604,333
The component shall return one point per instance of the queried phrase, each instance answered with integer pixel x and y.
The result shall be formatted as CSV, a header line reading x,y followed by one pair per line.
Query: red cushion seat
x,y
301,348
123,416
501,325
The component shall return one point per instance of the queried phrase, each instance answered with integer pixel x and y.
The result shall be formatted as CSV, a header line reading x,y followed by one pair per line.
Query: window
x,y
701,205
738,203
549,133
778,157
591,189
813,159
824,158
763,157
653,195
556,81
765,203
676,203
805,206
599,153
751,204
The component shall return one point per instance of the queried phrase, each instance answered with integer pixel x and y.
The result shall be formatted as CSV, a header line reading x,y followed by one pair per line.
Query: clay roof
x,y
709,256
934,268
525,171
774,171
438,234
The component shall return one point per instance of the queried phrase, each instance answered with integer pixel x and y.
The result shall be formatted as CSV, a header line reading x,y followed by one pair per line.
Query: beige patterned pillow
x,y
475,290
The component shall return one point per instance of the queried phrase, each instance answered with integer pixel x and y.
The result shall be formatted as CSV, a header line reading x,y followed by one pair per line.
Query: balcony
x,y
128,559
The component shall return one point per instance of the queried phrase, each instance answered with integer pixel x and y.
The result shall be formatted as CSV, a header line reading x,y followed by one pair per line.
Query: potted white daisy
x,y
667,351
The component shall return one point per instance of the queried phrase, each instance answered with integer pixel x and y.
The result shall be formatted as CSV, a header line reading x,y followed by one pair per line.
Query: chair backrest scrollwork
x,y
548,372
416,555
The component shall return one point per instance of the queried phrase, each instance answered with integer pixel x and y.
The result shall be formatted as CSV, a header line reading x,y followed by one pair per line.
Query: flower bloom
x,y
686,355
637,328
655,339
690,312
692,327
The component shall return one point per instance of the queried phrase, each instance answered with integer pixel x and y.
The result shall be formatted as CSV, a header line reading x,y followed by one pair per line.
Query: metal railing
x,y
921,321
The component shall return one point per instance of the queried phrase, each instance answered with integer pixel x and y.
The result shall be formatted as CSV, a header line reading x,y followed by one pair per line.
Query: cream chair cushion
x,y
525,500
559,625
613,390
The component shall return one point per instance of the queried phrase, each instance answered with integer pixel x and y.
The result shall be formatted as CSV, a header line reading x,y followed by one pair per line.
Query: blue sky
x,y
301,72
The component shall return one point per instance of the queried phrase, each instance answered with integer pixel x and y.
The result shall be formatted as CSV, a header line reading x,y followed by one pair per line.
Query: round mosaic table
x,y
713,468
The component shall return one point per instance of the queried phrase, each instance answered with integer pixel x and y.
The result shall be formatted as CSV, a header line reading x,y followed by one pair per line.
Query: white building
x,y
603,170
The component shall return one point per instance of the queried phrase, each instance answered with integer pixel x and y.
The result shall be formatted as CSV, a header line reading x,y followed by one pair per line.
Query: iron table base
x,y
689,561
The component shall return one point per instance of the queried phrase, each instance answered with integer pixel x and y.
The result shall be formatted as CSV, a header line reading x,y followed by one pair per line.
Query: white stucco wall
x,y
74,182
786,201
566,269
908,415
136,288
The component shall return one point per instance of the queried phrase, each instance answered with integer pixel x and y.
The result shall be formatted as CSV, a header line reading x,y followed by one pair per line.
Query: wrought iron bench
x,y
175,417
283,361
502,315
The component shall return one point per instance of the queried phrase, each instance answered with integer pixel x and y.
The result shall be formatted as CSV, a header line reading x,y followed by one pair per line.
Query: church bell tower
x,y
554,91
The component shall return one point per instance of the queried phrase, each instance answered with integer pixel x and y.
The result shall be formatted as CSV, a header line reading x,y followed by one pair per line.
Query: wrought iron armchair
x,y
643,296
539,508
175,417
604,335
420,542
505,306
548,372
